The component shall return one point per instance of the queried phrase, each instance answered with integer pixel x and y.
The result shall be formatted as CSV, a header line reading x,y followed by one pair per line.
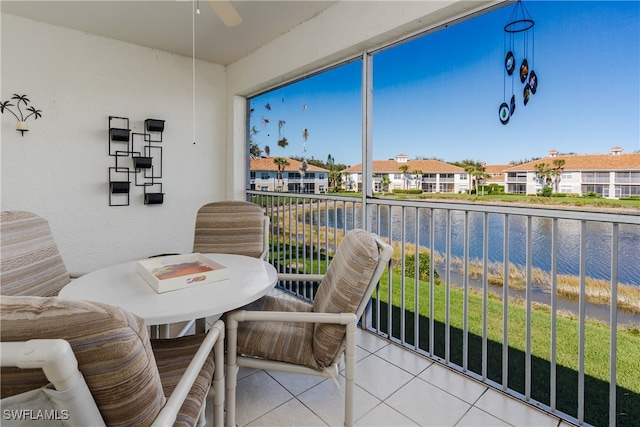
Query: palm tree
x,y
335,179
281,164
558,168
545,173
282,140
404,169
417,174
254,150
476,171
384,183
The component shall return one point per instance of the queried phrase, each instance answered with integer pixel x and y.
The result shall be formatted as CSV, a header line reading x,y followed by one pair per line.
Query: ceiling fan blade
x,y
227,13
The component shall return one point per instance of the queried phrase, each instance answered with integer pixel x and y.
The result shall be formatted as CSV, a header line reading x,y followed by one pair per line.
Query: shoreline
x,y
564,306
541,292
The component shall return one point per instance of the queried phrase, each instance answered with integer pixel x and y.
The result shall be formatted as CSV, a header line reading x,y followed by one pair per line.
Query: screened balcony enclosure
x,y
487,299
537,304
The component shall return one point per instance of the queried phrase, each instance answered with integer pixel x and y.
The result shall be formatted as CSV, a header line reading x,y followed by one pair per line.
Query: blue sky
x,y
438,95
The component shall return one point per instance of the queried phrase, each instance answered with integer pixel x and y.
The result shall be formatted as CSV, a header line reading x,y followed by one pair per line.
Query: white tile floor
x,y
394,387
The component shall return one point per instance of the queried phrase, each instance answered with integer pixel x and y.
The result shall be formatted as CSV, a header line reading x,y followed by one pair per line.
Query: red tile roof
x,y
495,169
587,162
496,172
266,164
392,166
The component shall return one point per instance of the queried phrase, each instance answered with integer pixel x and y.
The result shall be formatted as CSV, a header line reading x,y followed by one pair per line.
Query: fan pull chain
x,y
193,66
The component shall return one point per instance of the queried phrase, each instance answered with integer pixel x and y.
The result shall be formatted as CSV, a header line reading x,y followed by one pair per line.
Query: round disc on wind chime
x,y
509,63
533,82
526,93
503,112
512,105
524,70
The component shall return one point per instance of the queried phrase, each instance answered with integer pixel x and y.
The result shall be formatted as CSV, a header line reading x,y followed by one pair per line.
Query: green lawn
x,y
596,358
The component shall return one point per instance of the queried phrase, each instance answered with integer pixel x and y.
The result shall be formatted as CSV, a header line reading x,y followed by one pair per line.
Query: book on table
x,y
173,272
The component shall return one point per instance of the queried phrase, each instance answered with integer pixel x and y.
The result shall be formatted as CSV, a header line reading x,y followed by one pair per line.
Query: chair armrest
x,y
300,277
55,357
287,316
215,337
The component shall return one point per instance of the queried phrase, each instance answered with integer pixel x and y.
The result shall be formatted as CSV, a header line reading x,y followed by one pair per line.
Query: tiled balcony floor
x,y
394,387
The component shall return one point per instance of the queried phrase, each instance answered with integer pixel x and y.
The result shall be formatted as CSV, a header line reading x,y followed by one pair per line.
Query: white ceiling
x,y
167,24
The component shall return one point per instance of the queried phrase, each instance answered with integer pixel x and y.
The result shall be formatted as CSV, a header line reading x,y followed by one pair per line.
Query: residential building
x,y
430,176
612,175
496,174
265,176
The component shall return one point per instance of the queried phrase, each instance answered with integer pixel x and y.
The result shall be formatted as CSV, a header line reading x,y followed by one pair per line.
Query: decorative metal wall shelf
x,y
138,155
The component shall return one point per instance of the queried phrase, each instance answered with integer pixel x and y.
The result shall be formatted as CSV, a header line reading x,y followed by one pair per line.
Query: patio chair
x,y
30,261
232,227
133,381
291,335
229,227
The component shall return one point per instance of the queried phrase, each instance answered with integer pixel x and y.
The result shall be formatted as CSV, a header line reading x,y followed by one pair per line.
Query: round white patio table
x,y
121,285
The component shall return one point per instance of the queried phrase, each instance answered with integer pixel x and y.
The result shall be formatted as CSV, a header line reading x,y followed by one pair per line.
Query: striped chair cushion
x,y
128,375
283,341
111,345
30,261
342,289
172,358
232,227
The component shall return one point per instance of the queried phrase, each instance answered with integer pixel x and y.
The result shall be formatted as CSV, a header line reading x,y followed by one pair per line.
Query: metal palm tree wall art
x,y
21,125
518,29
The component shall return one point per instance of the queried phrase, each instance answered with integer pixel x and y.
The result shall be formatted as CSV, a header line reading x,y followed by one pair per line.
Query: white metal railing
x,y
429,311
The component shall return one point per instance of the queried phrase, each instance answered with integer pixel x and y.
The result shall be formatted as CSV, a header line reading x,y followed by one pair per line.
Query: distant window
x,y
565,175
565,188
627,190
445,188
602,190
627,177
264,175
595,177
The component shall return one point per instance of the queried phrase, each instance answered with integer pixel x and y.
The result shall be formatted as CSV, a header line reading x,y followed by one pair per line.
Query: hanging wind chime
x,y
520,26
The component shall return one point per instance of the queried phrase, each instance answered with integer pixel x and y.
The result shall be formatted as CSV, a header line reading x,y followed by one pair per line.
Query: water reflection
x,y
598,238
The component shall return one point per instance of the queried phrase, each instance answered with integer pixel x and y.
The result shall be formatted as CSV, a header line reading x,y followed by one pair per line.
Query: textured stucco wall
x,y
59,169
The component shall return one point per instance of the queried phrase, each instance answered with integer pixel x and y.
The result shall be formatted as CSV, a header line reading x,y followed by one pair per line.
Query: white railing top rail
x,y
560,212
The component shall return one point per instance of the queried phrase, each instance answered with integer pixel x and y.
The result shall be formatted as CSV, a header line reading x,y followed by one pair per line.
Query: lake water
x,y
598,240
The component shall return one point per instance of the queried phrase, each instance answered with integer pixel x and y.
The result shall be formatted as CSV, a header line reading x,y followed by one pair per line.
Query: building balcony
x,y
595,181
